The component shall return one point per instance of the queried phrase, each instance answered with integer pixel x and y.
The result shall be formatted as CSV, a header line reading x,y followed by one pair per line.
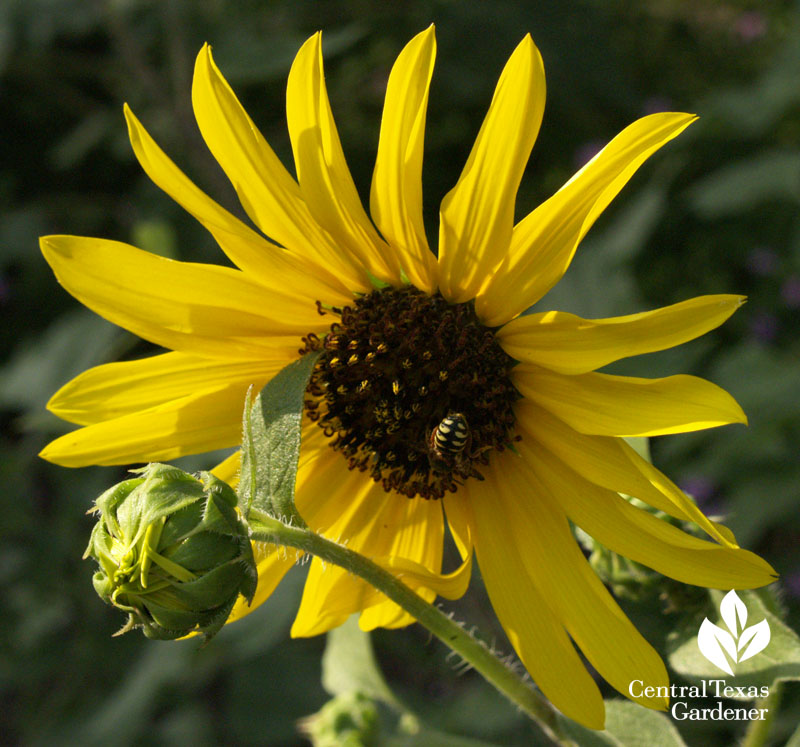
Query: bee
x,y
450,439
450,447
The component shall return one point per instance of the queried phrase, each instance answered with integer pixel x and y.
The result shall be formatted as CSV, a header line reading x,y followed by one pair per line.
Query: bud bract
x,y
173,552
349,720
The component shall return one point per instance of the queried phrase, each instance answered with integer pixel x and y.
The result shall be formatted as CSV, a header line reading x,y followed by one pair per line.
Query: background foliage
x,y
716,211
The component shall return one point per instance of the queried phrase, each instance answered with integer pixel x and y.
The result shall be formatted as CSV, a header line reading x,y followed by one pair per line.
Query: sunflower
x,y
434,403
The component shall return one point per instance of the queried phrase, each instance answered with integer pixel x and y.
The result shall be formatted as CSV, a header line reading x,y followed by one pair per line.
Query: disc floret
x,y
394,367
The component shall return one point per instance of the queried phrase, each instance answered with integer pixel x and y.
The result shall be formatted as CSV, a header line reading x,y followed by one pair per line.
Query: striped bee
x,y
450,438
450,448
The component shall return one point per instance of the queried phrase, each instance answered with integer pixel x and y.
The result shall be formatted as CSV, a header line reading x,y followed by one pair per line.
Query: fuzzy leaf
x,y
627,725
780,660
349,664
271,443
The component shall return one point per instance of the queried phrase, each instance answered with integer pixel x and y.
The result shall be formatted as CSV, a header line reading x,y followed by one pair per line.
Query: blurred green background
x,y
715,211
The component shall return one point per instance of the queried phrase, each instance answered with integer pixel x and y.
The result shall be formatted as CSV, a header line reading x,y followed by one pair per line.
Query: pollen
x,y
420,359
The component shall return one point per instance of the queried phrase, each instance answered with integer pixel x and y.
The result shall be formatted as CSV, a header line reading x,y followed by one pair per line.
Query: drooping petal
x,y
405,537
424,545
115,389
396,196
200,422
640,536
325,180
195,308
567,344
279,271
477,215
613,464
331,593
267,191
527,616
460,522
536,524
606,405
544,242
419,575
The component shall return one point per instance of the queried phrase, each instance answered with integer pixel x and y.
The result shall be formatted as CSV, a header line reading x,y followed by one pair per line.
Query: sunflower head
x,y
427,373
172,551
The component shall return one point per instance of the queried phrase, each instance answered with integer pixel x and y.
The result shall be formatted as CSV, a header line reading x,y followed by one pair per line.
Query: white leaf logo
x,y
738,642
758,638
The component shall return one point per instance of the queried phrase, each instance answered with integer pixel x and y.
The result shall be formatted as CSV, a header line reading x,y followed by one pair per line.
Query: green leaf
x,y
747,183
627,725
271,443
794,740
349,667
349,664
780,660
433,738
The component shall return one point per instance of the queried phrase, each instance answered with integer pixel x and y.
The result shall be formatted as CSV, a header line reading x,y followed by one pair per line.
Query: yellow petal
x,y
228,469
613,464
537,525
330,597
460,522
267,191
331,593
640,536
568,344
533,628
327,493
200,422
396,197
385,615
272,564
325,180
545,241
116,389
274,268
672,491
427,583
625,406
477,215
196,308
322,481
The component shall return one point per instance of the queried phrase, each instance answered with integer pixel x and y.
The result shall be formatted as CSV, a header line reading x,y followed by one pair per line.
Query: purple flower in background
x,y
792,583
790,291
656,104
586,152
763,261
764,327
750,26
704,491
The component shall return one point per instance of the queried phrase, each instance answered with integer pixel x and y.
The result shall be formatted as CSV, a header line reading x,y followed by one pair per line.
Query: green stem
x,y
758,730
266,529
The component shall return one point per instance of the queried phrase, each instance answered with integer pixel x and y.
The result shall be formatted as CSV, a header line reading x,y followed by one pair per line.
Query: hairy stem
x,y
758,730
477,654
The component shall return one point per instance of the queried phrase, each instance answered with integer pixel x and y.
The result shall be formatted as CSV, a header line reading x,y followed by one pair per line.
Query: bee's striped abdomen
x,y
451,435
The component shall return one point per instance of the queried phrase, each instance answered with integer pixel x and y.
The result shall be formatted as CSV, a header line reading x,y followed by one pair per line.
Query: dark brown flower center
x,y
413,390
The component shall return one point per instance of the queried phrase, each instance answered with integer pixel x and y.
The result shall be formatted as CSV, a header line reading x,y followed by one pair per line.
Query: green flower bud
x,y
173,552
349,720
